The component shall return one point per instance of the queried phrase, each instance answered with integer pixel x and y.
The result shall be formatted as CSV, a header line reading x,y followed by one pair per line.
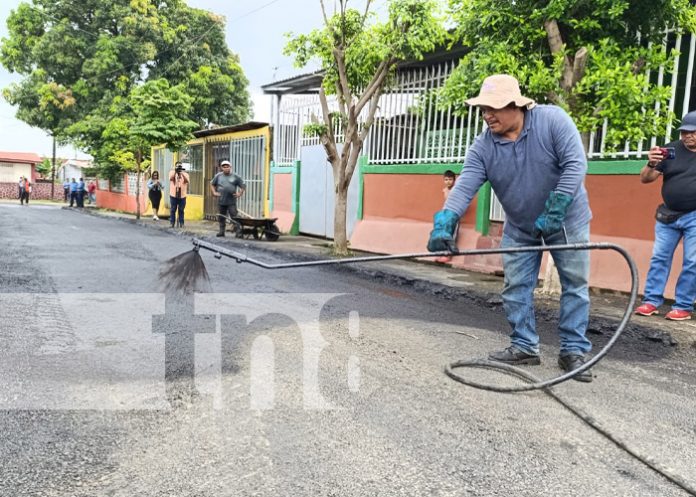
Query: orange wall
x,y
282,201
406,196
398,214
282,191
398,210
119,201
622,206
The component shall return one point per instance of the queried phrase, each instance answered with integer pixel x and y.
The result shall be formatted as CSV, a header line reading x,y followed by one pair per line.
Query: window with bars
x,y
133,184
117,185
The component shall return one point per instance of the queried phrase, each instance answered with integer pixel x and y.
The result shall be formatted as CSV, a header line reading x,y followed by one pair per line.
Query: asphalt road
x,y
305,382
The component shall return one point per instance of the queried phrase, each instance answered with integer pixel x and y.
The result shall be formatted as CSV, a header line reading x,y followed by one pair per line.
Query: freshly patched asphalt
x,y
302,382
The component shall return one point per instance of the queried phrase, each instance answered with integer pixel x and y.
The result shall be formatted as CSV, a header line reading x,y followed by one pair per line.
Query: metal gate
x,y
317,196
248,158
163,161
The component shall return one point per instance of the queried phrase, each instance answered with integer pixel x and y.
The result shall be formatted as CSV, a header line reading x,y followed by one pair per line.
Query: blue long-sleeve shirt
x,y
548,155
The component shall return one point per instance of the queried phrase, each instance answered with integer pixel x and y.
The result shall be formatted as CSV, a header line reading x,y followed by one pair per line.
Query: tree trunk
x,y
340,232
138,160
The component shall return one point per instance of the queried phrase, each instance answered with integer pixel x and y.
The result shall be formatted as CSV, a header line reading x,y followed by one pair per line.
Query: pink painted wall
x,y
119,201
282,201
398,209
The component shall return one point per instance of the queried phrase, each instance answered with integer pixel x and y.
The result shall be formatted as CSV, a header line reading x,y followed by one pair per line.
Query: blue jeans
x,y
176,205
667,237
521,276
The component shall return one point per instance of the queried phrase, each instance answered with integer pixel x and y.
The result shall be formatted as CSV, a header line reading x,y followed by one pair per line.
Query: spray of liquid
x,y
184,273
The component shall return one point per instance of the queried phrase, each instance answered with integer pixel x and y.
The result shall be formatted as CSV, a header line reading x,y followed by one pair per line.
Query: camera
x,y
667,153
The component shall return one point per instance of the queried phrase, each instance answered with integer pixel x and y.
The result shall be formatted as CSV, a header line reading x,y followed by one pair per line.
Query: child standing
x,y
448,178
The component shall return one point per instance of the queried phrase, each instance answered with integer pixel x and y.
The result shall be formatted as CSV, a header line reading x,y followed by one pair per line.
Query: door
x,y
317,196
248,159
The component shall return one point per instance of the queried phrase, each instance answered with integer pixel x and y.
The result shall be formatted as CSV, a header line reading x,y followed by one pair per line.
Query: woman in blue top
x,y
154,186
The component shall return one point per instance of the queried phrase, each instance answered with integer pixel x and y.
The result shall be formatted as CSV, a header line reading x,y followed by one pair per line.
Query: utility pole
x,y
53,168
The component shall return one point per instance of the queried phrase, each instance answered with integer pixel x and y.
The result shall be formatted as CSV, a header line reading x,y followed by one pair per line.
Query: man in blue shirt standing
x,y
73,193
66,189
534,159
81,193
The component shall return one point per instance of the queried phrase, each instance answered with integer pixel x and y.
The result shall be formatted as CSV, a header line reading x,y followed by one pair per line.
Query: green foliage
x,y
314,129
509,37
82,63
44,168
413,29
152,114
358,57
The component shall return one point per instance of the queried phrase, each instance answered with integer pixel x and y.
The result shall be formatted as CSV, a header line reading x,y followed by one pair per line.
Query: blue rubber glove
x,y
442,236
551,220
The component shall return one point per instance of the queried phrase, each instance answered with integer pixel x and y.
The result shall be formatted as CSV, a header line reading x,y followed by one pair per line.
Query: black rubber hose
x,y
534,382
537,384
449,370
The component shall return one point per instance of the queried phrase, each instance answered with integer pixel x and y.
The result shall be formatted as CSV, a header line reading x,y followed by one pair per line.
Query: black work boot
x,y
220,233
513,355
571,362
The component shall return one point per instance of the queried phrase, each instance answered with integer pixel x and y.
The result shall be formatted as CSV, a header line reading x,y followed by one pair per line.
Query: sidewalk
x,y
442,280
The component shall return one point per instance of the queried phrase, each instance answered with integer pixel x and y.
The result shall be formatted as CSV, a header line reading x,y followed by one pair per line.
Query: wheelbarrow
x,y
247,227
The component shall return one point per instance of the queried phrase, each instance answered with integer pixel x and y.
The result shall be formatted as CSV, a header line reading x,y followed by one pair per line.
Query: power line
x,y
252,11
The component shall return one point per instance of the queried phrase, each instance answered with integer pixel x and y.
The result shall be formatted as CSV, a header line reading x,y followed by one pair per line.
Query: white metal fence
x,y
412,127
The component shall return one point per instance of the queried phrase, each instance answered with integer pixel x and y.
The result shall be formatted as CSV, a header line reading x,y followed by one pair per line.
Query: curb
x,y
598,327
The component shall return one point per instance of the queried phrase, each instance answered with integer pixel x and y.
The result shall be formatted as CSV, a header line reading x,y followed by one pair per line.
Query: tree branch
x,y
330,142
341,103
323,12
579,65
376,83
339,56
364,17
370,115
553,35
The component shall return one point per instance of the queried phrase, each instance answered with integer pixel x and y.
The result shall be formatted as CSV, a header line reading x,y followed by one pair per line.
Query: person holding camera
x,y
676,220
227,187
154,188
178,188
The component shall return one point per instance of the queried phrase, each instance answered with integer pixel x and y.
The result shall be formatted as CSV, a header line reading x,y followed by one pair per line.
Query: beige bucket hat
x,y
498,91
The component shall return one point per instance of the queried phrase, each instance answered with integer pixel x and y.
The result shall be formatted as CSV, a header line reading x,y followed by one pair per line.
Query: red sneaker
x,y
647,310
678,315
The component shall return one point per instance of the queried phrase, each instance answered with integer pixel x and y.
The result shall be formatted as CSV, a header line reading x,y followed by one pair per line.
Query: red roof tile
x,y
19,157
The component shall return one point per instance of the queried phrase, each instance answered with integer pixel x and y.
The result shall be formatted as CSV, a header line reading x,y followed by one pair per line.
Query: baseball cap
x,y
500,90
688,122
225,163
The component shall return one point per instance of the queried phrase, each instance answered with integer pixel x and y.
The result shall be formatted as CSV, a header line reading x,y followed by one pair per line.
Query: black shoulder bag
x,y
666,215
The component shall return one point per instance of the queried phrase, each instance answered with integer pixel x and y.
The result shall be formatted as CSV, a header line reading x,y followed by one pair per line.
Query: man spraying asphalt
x,y
534,159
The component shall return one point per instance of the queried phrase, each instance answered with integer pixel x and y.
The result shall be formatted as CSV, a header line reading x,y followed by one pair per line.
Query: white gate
x,y
317,196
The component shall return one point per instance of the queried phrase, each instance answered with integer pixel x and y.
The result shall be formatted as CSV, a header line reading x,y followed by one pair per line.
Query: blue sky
x,y
255,31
